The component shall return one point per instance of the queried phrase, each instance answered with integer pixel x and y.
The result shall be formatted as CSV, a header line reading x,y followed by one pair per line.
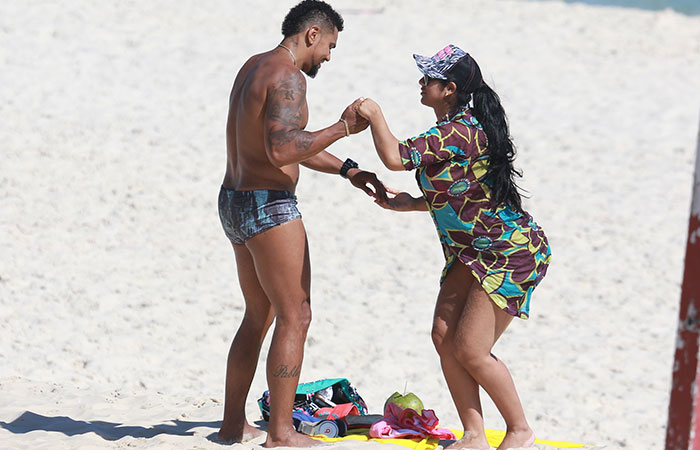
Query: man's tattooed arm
x,y
286,141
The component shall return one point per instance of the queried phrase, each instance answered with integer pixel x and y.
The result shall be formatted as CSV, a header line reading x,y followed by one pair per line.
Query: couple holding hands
x,y
495,252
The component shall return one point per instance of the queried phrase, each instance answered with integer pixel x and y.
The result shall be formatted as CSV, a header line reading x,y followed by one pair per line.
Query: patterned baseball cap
x,y
440,63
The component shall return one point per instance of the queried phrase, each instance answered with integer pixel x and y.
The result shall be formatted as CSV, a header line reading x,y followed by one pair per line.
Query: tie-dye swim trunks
x,y
245,214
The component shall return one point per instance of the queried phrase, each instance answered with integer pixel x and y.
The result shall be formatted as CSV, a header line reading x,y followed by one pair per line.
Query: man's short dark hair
x,y
319,12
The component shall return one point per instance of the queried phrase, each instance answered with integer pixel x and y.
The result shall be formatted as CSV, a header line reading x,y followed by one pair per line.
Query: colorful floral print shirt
x,y
506,250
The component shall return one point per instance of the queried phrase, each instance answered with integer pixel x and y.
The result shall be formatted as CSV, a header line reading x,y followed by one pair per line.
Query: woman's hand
x,y
384,141
368,108
402,201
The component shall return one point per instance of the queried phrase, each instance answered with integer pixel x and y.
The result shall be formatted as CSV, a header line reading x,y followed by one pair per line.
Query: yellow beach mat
x,y
494,437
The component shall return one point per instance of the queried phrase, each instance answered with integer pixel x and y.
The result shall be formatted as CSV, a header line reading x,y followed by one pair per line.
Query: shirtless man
x,y
266,142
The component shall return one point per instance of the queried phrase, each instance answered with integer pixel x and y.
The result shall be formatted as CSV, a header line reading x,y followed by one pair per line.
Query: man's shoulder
x,y
284,75
272,70
269,69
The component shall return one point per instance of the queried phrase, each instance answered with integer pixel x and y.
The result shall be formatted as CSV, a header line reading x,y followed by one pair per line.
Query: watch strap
x,y
347,165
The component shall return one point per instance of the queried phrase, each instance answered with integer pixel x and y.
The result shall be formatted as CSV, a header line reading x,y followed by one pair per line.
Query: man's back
x,y
248,166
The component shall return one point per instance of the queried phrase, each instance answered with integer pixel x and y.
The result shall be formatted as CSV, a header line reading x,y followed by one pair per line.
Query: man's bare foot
x,y
471,440
230,435
518,439
292,439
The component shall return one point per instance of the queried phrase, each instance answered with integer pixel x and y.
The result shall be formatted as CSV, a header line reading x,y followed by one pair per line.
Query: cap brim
x,y
425,65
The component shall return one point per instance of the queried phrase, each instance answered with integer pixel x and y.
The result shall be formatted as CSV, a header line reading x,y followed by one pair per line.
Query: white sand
x,y
118,293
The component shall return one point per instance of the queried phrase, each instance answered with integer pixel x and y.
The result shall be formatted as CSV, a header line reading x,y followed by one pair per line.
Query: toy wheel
x,y
328,428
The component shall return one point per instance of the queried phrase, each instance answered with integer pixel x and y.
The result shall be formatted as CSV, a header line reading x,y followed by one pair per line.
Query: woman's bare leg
x,y
480,326
463,388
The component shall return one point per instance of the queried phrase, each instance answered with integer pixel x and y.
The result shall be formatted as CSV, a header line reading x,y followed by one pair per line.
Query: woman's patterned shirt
x,y
506,250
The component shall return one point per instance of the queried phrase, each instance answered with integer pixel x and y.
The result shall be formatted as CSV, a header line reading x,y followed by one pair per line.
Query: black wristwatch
x,y
347,165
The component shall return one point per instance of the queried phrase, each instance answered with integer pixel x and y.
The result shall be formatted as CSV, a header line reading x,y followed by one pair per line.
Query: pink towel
x,y
407,423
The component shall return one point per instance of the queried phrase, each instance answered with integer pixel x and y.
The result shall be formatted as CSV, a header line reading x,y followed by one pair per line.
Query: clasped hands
x,y
358,116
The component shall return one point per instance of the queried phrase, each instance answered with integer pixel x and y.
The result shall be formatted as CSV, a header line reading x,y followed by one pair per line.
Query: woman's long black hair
x,y
488,110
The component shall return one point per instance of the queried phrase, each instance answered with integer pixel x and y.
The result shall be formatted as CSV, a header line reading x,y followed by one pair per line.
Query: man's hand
x,y
363,180
356,123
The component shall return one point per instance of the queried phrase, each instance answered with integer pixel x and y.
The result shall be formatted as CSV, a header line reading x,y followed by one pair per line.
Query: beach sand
x,y
118,289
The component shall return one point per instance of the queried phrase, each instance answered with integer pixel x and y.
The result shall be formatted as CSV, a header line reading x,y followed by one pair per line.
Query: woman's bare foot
x,y
518,439
232,435
470,440
291,439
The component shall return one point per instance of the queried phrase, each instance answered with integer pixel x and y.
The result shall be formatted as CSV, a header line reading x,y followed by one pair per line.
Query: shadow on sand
x,y
109,431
